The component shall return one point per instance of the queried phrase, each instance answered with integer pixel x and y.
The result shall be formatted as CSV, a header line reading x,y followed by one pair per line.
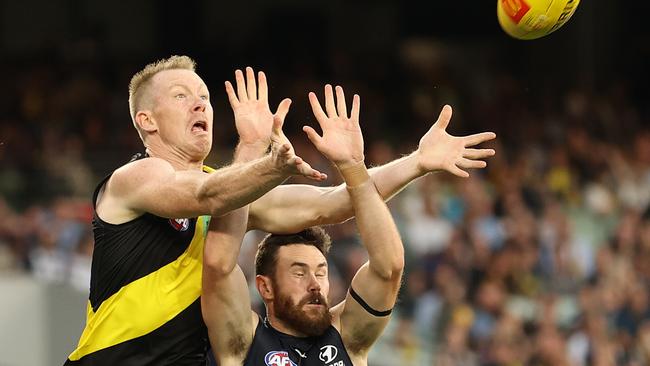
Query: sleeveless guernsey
x,y
273,348
144,306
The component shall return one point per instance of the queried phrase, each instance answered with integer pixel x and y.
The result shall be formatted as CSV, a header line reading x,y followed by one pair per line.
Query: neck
x,y
178,159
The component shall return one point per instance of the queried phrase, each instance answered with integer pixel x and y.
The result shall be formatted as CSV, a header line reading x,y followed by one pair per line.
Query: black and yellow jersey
x,y
144,306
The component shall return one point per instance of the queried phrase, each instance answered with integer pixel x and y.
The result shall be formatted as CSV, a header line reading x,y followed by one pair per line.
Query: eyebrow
x,y
202,86
305,265
178,85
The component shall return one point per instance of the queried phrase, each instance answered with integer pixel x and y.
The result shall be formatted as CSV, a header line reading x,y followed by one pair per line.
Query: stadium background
x,y
543,258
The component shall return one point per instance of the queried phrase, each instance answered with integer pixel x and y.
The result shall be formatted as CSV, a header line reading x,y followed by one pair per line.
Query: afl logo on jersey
x,y
180,224
278,358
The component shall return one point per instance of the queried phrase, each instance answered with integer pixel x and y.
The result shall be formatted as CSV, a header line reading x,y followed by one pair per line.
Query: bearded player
x,y
300,327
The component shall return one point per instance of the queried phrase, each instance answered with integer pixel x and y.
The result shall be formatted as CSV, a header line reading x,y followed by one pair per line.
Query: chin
x,y
201,151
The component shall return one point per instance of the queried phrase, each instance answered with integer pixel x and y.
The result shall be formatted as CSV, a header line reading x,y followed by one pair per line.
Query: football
x,y
531,19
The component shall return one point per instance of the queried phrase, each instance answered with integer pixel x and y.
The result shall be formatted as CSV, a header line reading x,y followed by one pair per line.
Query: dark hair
x,y
267,249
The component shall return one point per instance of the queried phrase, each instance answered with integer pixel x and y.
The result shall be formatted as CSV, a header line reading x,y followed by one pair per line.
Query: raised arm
x,y
361,317
225,298
278,210
225,301
366,309
153,185
291,208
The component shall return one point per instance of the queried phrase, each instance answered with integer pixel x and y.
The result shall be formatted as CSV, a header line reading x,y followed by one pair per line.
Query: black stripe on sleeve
x,y
367,307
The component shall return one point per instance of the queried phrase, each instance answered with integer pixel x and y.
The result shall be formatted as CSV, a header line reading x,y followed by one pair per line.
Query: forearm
x,y
238,185
334,205
301,206
391,178
223,242
377,229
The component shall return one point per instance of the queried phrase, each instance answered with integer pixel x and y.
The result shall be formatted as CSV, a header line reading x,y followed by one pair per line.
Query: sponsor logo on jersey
x,y
328,353
278,358
180,224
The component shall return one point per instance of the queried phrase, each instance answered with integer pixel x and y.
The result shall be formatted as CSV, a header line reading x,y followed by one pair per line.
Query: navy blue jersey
x,y
273,348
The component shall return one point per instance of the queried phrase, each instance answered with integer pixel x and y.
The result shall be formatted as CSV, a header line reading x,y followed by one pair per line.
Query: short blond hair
x,y
141,79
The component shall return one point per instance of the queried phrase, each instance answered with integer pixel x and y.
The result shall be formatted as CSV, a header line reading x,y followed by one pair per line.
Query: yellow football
x,y
531,19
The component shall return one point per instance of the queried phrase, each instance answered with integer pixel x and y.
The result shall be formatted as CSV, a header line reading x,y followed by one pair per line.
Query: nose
x,y
200,105
314,285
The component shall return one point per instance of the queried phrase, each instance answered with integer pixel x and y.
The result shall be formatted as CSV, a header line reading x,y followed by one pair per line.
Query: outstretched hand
x,y
342,141
250,104
439,150
282,151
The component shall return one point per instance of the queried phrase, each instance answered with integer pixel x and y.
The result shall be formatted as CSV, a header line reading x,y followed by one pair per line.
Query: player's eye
x,y
205,97
180,96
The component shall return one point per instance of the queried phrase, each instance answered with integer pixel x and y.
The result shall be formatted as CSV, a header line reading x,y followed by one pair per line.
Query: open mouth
x,y
315,301
200,126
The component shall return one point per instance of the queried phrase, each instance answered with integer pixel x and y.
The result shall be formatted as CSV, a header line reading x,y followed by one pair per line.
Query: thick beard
x,y
298,319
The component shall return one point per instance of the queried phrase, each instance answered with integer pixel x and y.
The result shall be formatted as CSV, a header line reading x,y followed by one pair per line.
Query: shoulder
x,y
143,169
115,198
138,173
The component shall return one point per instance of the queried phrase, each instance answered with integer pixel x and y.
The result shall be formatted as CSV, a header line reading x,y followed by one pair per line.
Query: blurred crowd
x,y
543,258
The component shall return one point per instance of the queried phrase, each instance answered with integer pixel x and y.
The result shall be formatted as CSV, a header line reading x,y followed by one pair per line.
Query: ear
x,y
263,284
145,121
